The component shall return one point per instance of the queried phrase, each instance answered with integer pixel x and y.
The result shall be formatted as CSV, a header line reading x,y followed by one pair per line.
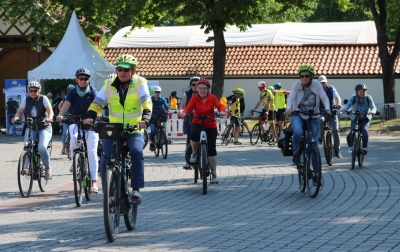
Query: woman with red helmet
x,y
204,103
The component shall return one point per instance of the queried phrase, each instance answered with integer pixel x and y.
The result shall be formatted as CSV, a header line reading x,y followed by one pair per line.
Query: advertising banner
x,y
16,89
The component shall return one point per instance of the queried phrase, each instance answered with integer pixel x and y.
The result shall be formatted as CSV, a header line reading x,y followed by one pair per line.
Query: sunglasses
x,y
193,85
120,69
305,76
157,92
83,79
33,90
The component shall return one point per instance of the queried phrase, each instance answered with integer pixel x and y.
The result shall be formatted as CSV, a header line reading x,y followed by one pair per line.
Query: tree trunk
x,y
219,61
389,89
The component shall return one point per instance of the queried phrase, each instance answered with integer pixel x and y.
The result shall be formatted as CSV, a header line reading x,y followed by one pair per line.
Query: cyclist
x,y
64,125
204,103
364,103
187,95
38,107
267,99
159,103
280,103
333,120
126,95
78,101
305,95
234,108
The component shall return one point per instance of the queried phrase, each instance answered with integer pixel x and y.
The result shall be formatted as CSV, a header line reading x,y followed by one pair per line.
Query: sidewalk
x,y
256,206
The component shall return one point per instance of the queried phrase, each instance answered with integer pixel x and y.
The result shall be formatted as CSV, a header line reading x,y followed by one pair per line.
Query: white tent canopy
x,y
73,52
285,33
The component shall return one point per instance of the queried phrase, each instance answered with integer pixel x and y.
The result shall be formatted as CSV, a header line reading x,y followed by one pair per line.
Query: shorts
x,y
280,115
271,115
195,130
234,120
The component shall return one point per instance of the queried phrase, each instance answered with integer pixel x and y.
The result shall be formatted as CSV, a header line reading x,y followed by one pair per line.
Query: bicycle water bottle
x,y
84,182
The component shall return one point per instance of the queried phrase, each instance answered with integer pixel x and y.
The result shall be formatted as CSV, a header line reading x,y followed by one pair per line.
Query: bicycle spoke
x,y
25,179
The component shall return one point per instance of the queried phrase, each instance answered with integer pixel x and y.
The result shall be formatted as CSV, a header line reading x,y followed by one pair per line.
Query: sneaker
x,y
47,173
136,198
71,169
296,159
187,167
338,154
193,158
214,179
364,151
237,143
152,147
94,189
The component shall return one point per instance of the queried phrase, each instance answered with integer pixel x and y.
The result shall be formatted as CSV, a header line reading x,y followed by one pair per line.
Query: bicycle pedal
x,y
214,183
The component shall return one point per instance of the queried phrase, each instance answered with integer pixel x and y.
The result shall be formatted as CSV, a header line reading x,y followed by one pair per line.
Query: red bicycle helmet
x,y
205,82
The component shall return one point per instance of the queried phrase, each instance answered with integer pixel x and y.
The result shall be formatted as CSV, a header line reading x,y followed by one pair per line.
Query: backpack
x,y
285,142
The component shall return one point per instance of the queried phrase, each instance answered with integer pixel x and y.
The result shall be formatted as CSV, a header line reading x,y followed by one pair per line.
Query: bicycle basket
x,y
159,115
110,130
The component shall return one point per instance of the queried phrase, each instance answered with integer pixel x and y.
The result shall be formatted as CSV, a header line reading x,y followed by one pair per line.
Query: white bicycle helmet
x,y
34,84
157,89
261,84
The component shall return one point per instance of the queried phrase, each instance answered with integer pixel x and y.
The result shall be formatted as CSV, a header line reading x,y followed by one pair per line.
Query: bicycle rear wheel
x,y
157,143
3,128
111,209
25,178
78,178
359,152
277,130
228,134
41,181
203,166
87,178
163,143
313,171
130,218
146,138
354,150
301,171
328,148
255,134
67,140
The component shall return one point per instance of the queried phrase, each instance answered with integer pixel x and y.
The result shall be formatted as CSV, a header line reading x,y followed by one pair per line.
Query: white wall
x,y
345,88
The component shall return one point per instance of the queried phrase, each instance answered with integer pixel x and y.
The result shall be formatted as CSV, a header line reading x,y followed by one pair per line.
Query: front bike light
x,y
203,136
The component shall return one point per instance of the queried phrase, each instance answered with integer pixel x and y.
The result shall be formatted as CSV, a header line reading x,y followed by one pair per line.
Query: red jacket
x,y
206,108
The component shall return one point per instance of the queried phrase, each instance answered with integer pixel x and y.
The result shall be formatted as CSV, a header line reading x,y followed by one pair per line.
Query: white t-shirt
x,y
46,103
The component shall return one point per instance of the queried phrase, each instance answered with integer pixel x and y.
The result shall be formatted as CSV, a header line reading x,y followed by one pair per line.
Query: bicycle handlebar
x,y
358,112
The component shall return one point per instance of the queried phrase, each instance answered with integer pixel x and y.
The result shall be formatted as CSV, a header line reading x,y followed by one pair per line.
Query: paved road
x,y
256,206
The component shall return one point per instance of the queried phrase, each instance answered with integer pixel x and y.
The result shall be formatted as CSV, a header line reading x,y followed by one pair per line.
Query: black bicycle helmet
x,y
361,86
82,71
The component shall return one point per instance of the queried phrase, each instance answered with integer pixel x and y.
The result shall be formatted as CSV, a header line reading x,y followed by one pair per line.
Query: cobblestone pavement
x,y
256,205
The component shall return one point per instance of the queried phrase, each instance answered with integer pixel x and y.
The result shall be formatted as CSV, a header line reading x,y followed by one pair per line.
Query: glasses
x,y
33,90
120,69
193,85
83,79
202,88
305,76
157,92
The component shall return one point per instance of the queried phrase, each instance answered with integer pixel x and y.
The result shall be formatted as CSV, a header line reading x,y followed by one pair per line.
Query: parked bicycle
x,y
80,164
117,187
309,168
357,139
327,139
261,130
202,166
30,166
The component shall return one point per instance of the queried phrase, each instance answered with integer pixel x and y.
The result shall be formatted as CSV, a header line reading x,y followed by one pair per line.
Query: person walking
x,y
11,109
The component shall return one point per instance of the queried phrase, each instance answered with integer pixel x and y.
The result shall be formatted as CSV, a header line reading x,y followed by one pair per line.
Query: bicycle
x,y
327,139
30,166
261,130
117,187
80,165
160,137
202,166
309,168
227,135
356,136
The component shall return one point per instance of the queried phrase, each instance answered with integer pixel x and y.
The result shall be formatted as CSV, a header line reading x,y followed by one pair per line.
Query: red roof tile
x,y
256,59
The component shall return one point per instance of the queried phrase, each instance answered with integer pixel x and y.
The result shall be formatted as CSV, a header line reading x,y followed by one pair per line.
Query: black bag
x,y
110,130
285,142
159,115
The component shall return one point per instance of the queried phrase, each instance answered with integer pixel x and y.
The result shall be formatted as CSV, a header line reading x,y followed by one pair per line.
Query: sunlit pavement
x,y
256,206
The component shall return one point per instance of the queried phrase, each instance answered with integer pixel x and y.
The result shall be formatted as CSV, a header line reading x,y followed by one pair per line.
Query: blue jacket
x,y
160,103
366,105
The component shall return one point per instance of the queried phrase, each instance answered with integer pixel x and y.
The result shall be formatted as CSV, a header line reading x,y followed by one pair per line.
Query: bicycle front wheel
x,y
41,178
354,150
301,171
203,166
111,209
163,143
228,134
146,138
277,130
77,178
255,134
359,153
3,128
25,178
313,171
86,176
67,140
328,148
